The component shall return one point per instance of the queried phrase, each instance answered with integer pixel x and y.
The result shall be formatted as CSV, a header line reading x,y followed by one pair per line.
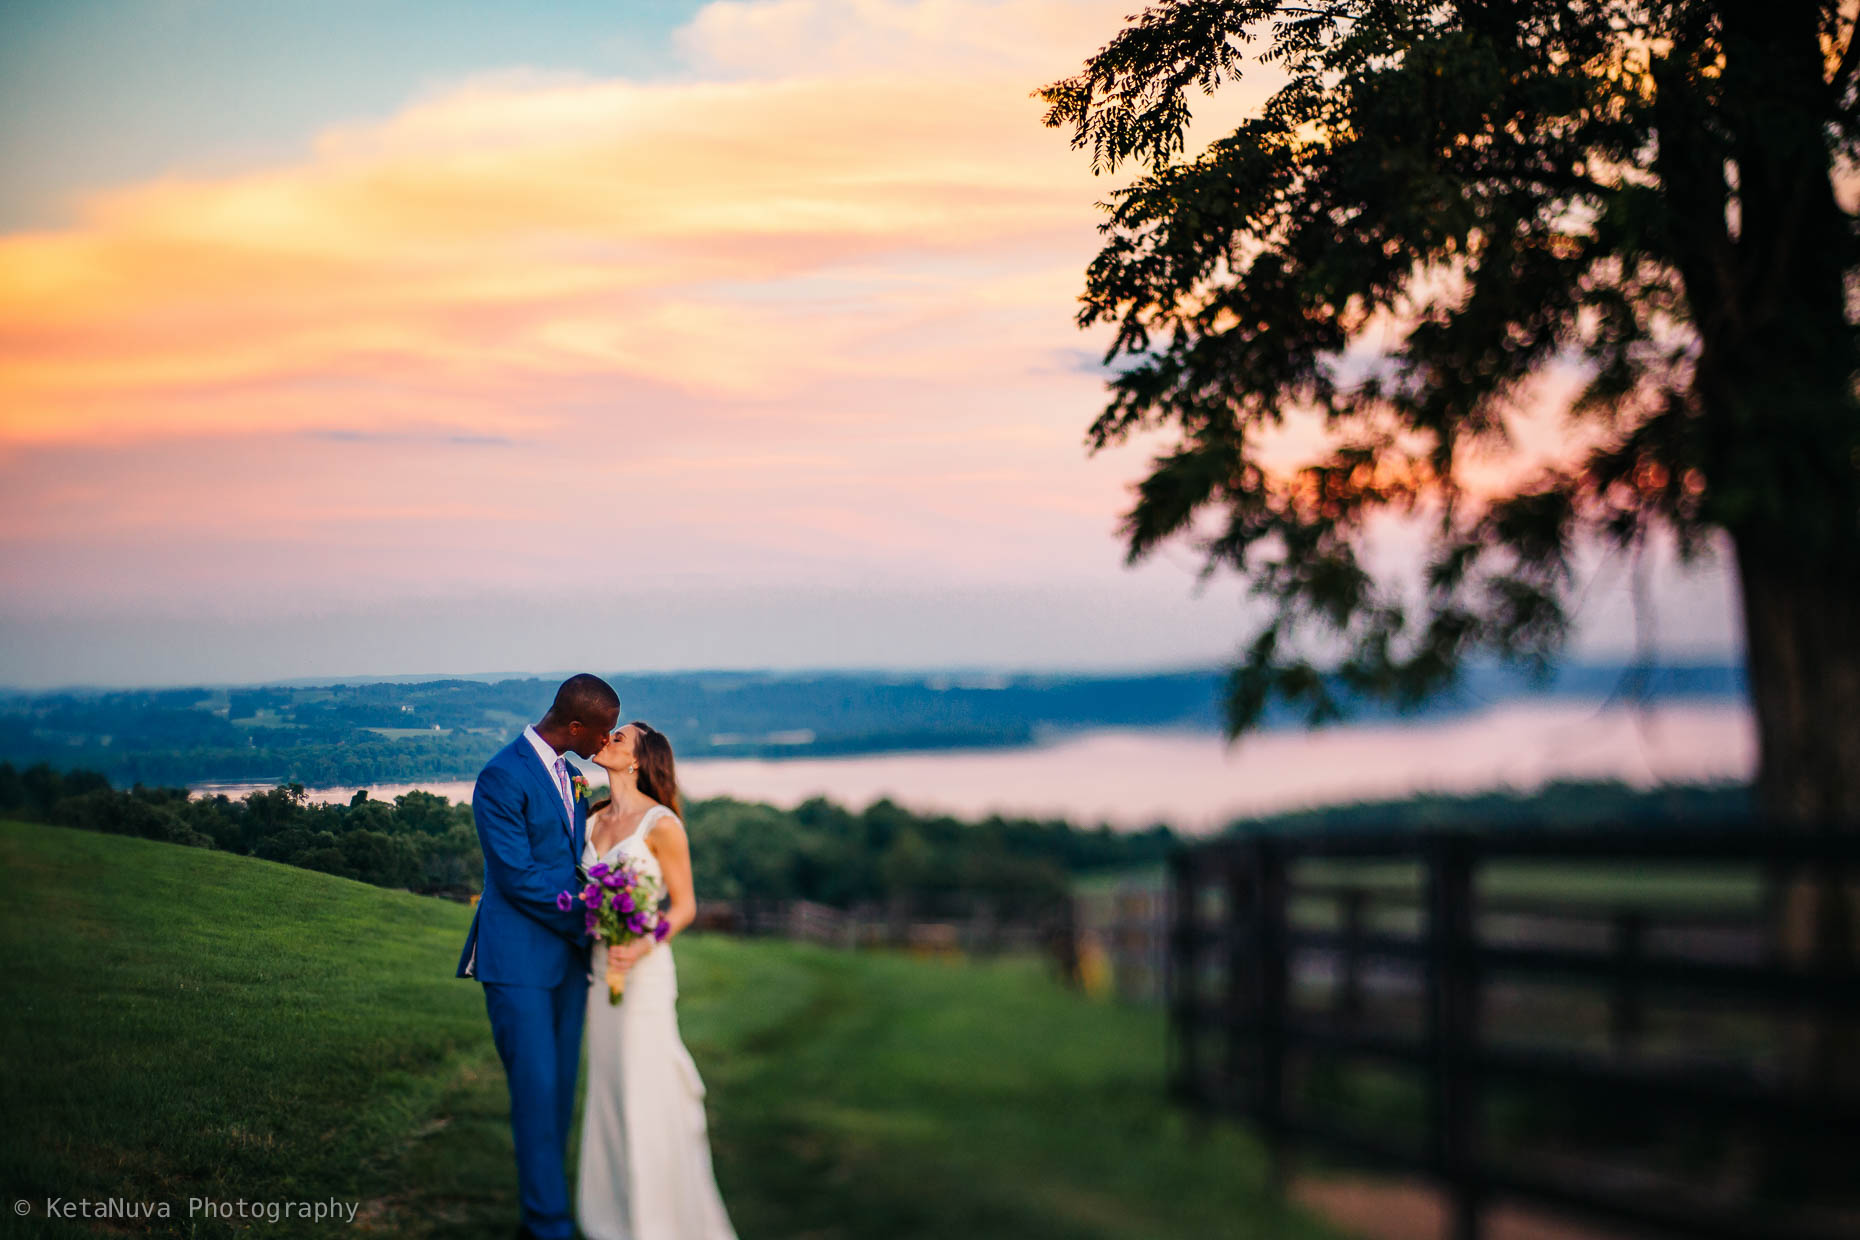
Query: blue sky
x,y
96,92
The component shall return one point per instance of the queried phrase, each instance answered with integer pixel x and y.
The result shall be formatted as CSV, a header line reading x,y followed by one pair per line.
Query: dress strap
x,y
647,819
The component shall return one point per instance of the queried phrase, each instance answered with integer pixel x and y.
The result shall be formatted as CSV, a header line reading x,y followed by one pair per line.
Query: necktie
x,y
561,786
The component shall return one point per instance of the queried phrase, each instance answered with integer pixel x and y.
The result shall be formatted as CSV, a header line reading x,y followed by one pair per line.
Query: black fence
x,y
1656,1030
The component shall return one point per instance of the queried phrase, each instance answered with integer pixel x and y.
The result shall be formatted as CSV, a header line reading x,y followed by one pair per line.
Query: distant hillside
x,y
390,731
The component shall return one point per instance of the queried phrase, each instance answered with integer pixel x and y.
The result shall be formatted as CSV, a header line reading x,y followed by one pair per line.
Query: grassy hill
x,y
185,1024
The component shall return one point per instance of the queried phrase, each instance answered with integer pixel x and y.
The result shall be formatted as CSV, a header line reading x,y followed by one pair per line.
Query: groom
x,y
531,955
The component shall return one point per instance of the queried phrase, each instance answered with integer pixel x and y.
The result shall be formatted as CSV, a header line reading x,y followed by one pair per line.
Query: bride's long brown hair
x,y
658,773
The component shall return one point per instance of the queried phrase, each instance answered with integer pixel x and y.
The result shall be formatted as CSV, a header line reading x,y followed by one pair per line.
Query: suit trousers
x,y
538,1034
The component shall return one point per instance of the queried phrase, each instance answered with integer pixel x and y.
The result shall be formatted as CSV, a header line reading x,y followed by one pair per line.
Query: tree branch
x,y
1849,61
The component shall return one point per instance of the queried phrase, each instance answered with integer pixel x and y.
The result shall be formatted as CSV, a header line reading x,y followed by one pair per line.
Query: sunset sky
x,y
362,339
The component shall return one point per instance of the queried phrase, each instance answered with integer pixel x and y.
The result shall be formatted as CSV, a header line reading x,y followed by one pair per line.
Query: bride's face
x,y
617,753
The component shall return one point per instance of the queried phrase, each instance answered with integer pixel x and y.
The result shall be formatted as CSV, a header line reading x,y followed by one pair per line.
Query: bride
x,y
645,1171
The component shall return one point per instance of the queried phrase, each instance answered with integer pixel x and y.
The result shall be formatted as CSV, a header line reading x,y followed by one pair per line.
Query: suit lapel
x,y
545,781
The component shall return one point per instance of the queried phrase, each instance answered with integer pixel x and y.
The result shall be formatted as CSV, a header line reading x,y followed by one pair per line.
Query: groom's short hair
x,y
584,698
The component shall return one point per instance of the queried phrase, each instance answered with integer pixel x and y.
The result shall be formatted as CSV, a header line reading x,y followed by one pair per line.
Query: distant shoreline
x,y
403,733
1133,778
956,676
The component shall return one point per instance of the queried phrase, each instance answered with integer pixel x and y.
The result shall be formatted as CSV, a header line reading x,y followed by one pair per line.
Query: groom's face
x,y
587,737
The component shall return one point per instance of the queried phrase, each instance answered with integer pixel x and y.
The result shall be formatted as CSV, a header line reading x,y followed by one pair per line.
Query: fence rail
x,y
1480,1003
1123,939
868,926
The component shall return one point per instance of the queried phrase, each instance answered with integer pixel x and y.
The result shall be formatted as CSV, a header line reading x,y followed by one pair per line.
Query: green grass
x,y
1103,882
187,1024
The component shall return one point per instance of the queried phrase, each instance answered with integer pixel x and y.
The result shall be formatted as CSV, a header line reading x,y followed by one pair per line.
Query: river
x,y
1197,783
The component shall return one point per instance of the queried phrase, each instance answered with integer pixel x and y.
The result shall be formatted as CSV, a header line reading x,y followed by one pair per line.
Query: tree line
x,y
924,865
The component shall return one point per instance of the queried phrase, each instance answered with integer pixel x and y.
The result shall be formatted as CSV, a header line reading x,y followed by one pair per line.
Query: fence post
x,y
1066,940
1134,941
1181,976
1272,970
1627,1013
1242,883
1452,1028
1837,920
1350,905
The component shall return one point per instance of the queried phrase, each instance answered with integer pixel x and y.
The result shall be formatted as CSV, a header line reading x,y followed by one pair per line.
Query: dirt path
x,y
1403,1210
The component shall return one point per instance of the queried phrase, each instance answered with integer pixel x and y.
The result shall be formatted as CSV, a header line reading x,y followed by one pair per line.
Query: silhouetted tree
x,y
1643,190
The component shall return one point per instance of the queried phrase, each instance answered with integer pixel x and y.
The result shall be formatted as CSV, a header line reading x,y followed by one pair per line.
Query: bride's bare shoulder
x,y
668,821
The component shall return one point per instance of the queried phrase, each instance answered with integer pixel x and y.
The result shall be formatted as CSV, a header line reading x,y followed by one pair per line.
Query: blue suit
x,y
532,958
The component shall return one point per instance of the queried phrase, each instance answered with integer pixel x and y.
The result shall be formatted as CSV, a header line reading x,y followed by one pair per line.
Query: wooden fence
x,y
871,926
1512,1034
1127,928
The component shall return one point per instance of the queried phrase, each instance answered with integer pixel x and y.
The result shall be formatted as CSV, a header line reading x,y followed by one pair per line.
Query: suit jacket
x,y
531,847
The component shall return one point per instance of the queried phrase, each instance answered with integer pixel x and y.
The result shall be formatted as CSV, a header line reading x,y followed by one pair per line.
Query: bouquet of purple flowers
x,y
621,904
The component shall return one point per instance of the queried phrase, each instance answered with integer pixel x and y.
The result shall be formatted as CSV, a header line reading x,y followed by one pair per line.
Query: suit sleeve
x,y
520,879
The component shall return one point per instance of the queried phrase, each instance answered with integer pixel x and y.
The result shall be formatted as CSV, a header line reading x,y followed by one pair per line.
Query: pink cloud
x,y
804,323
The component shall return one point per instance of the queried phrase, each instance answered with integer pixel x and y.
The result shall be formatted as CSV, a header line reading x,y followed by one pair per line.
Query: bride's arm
x,y
669,844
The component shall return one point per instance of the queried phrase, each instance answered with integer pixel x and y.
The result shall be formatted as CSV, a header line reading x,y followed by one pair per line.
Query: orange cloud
x,y
888,207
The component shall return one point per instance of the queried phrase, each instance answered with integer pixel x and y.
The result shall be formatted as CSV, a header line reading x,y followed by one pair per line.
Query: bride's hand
x,y
626,954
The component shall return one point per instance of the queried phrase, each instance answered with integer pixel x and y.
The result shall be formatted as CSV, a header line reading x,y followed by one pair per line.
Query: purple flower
x,y
661,930
624,902
597,869
613,879
636,923
592,923
592,896
564,902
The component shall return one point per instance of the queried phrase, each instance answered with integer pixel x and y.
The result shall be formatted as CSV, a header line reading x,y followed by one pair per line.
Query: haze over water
x,y
1195,782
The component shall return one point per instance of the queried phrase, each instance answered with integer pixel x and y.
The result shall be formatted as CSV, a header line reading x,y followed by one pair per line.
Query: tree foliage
x,y
1442,205
819,851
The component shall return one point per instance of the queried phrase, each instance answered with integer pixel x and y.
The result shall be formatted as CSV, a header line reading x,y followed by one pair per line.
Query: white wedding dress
x,y
645,1170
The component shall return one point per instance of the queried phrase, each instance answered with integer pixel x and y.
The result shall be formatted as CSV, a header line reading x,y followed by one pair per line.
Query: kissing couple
x,y
645,1166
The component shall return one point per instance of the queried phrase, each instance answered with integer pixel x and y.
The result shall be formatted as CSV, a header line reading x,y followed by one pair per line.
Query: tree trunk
x,y
1780,448
1783,453
1803,659
1802,652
